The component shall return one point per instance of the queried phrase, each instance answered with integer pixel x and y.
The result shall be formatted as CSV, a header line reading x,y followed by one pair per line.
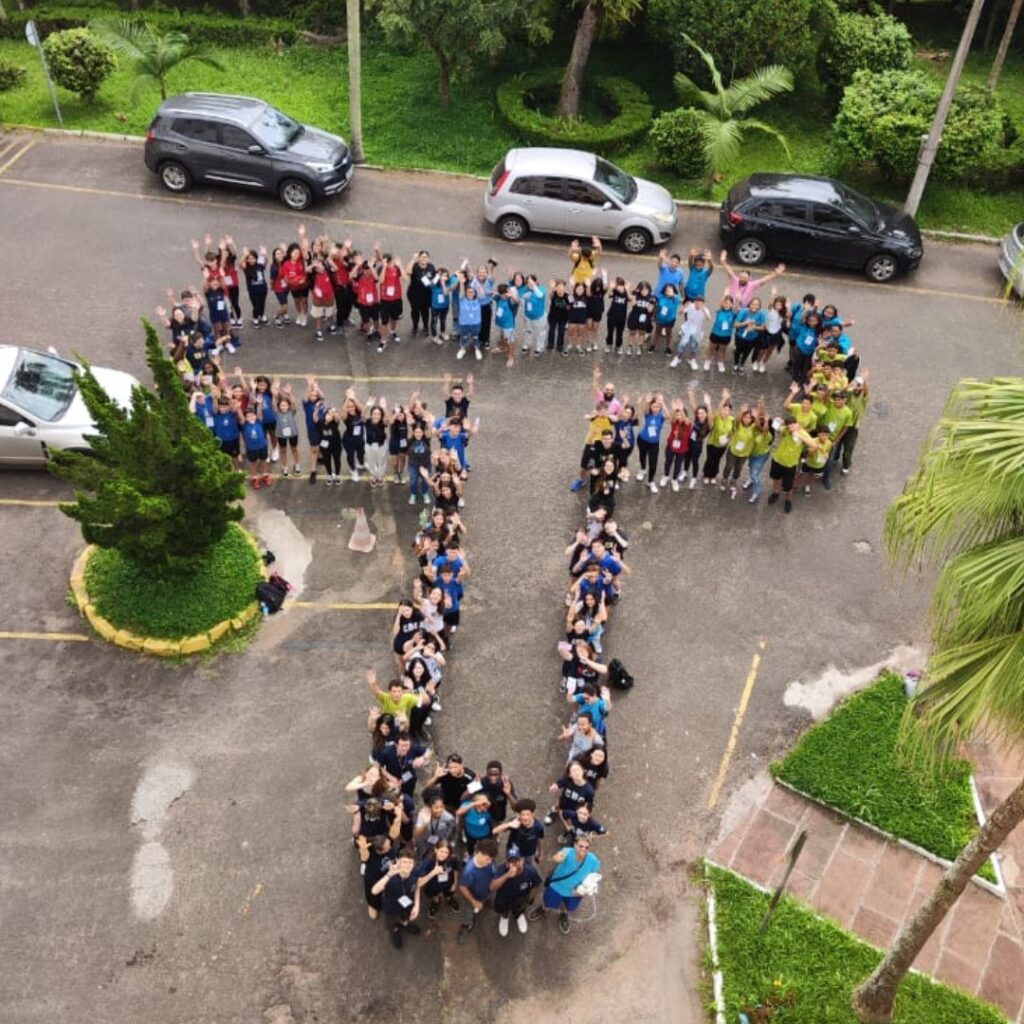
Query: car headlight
x,y
665,218
321,168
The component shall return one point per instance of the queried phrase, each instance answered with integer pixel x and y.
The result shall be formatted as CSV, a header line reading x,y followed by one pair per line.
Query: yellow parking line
x,y
346,606
17,156
30,502
55,637
7,146
741,711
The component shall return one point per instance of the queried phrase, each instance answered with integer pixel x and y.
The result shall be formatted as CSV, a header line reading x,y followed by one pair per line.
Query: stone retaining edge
x,y
698,204
160,648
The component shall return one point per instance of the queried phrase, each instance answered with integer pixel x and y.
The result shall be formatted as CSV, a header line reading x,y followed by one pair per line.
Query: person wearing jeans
x,y
419,461
469,322
760,453
535,326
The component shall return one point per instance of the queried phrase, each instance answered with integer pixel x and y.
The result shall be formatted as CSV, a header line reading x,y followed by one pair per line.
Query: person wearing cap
x,y
517,880
572,866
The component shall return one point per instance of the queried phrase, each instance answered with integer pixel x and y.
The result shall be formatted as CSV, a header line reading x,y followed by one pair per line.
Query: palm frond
x,y
746,93
123,35
716,76
199,56
721,143
142,81
691,94
759,126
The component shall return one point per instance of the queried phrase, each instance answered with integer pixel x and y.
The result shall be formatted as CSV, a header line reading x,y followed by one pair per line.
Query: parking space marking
x,y
17,156
30,502
53,637
741,711
419,230
7,146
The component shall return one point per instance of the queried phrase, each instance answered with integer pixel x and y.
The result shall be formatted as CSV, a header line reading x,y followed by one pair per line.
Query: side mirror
x,y
607,205
255,150
24,429
52,350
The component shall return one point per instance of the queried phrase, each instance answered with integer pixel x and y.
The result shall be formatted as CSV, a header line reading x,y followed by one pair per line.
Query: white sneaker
x,y
478,353
641,477
503,927
747,484
844,471
275,455
675,485
654,487
693,482
721,367
693,365
412,499
664,481
732,493
675,362
462,502
707,364
521,924
461,354
355,476
752,499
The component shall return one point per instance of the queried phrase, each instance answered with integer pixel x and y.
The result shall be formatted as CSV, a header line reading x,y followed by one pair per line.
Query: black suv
x,y
788,216
244,142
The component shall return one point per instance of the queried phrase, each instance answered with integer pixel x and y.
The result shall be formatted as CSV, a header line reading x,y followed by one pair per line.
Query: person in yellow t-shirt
x,y
793,439
815,460
741,444
722,424
584,260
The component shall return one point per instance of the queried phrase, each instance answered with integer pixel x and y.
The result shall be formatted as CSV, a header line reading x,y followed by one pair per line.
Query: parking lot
x,y
234,767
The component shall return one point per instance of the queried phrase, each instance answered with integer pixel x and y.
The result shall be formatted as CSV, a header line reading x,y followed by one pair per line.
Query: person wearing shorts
x,y
785,460
256,452
288,431
571,867
390,300
640,322
595,308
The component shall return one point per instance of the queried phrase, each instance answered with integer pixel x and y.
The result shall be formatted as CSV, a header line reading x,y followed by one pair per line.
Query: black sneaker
x,y
535,914
413,928
396,938
453,903
788,507
563,922
312,477
381,345
433,909
773,497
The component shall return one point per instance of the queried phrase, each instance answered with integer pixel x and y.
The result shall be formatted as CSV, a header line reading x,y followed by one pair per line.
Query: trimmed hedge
x,y
876,42
211,29
11,75
136,600
678,140
78,61
633,112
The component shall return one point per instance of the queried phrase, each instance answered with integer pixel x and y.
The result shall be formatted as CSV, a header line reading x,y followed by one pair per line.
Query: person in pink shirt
x,y
605,393
742,287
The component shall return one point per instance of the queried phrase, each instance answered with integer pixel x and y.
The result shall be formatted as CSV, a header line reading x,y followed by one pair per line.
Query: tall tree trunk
x,y
1004,45
444,71
355,79
244,9
873,1001
990,28
3,11
576,70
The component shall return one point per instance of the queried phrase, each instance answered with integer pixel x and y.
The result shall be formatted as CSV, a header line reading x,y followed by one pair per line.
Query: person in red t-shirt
x,y
390,300
229,273
322,309
367,299
296,275
279,285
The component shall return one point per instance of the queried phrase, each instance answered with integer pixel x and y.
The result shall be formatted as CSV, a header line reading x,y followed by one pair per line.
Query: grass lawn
x,y
811,966
151,607
405,124
850,761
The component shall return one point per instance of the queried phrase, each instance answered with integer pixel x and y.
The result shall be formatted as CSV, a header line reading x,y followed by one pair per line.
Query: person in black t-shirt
x,y
525,832
376,860
401,897
452,780
498,788
438,877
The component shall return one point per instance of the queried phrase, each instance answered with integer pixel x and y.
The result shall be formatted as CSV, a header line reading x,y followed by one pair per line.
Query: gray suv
x,y
246,143
570,192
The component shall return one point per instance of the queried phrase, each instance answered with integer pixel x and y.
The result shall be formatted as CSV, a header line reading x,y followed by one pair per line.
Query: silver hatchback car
x,y
1011,260
570,192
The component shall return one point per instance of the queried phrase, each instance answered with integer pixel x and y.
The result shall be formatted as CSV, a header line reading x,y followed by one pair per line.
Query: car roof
x,y
551,160
241,110
796,186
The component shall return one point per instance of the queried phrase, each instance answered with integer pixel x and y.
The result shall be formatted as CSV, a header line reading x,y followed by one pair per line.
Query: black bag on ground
x,y
618,677
272,592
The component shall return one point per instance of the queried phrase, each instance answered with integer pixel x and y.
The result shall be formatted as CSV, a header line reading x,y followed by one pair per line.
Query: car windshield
x,y
41,385
862,208
619,182
275,130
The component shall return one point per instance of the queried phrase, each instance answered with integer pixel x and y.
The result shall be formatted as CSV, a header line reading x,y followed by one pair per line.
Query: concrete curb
x,y
717,979
998,889
692,204
129,641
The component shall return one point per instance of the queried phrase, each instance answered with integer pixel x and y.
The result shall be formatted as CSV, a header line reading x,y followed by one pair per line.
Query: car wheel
x,y
295,194
513,228
881,268
174,176
750,251
635,240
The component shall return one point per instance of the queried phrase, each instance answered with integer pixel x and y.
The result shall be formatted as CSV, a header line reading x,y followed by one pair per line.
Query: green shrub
x,y
678,139
883,116
78,61
151,605
11,75
521,101
877,42
744,35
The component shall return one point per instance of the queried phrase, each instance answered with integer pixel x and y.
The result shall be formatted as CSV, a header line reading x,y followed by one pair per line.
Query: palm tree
x,y
155,54
722,123
964,510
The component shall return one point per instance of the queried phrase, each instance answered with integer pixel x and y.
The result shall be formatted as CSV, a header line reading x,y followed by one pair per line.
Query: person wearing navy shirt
x,y
226,423
498,788
438,876
476,883
256,451
400,759
700,267
580,822
573,790
525,832
401,891
517,881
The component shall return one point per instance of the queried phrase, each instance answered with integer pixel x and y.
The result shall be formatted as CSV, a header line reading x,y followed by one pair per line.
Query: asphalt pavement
x,y
173,843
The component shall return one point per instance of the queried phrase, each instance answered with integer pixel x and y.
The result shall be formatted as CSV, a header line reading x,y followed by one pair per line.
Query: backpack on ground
x,y
271,592
618,677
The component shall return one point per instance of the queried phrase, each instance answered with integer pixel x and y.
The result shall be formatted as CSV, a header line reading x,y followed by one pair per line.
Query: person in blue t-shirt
x,y
314,406
670,271
572,866
750,329
506,304
649,439
665,315
256,451
470,320
700,267
440,302
535,328
477,881
599,704
227,420
806,334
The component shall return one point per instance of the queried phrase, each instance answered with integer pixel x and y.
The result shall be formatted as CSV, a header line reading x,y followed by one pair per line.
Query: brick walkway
x,y
870,885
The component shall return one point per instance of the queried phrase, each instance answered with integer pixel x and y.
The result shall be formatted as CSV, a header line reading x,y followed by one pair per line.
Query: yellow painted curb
x,y
159,648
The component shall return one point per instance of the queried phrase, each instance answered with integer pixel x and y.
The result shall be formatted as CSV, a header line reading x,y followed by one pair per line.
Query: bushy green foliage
x,y
877,42
148,604
678,140
78,61
883,116
743,35
522,99
853,761
156,486
815,963
11,75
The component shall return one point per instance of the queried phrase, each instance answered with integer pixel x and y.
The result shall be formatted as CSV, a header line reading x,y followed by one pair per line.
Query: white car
x,y
40,407
570,192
